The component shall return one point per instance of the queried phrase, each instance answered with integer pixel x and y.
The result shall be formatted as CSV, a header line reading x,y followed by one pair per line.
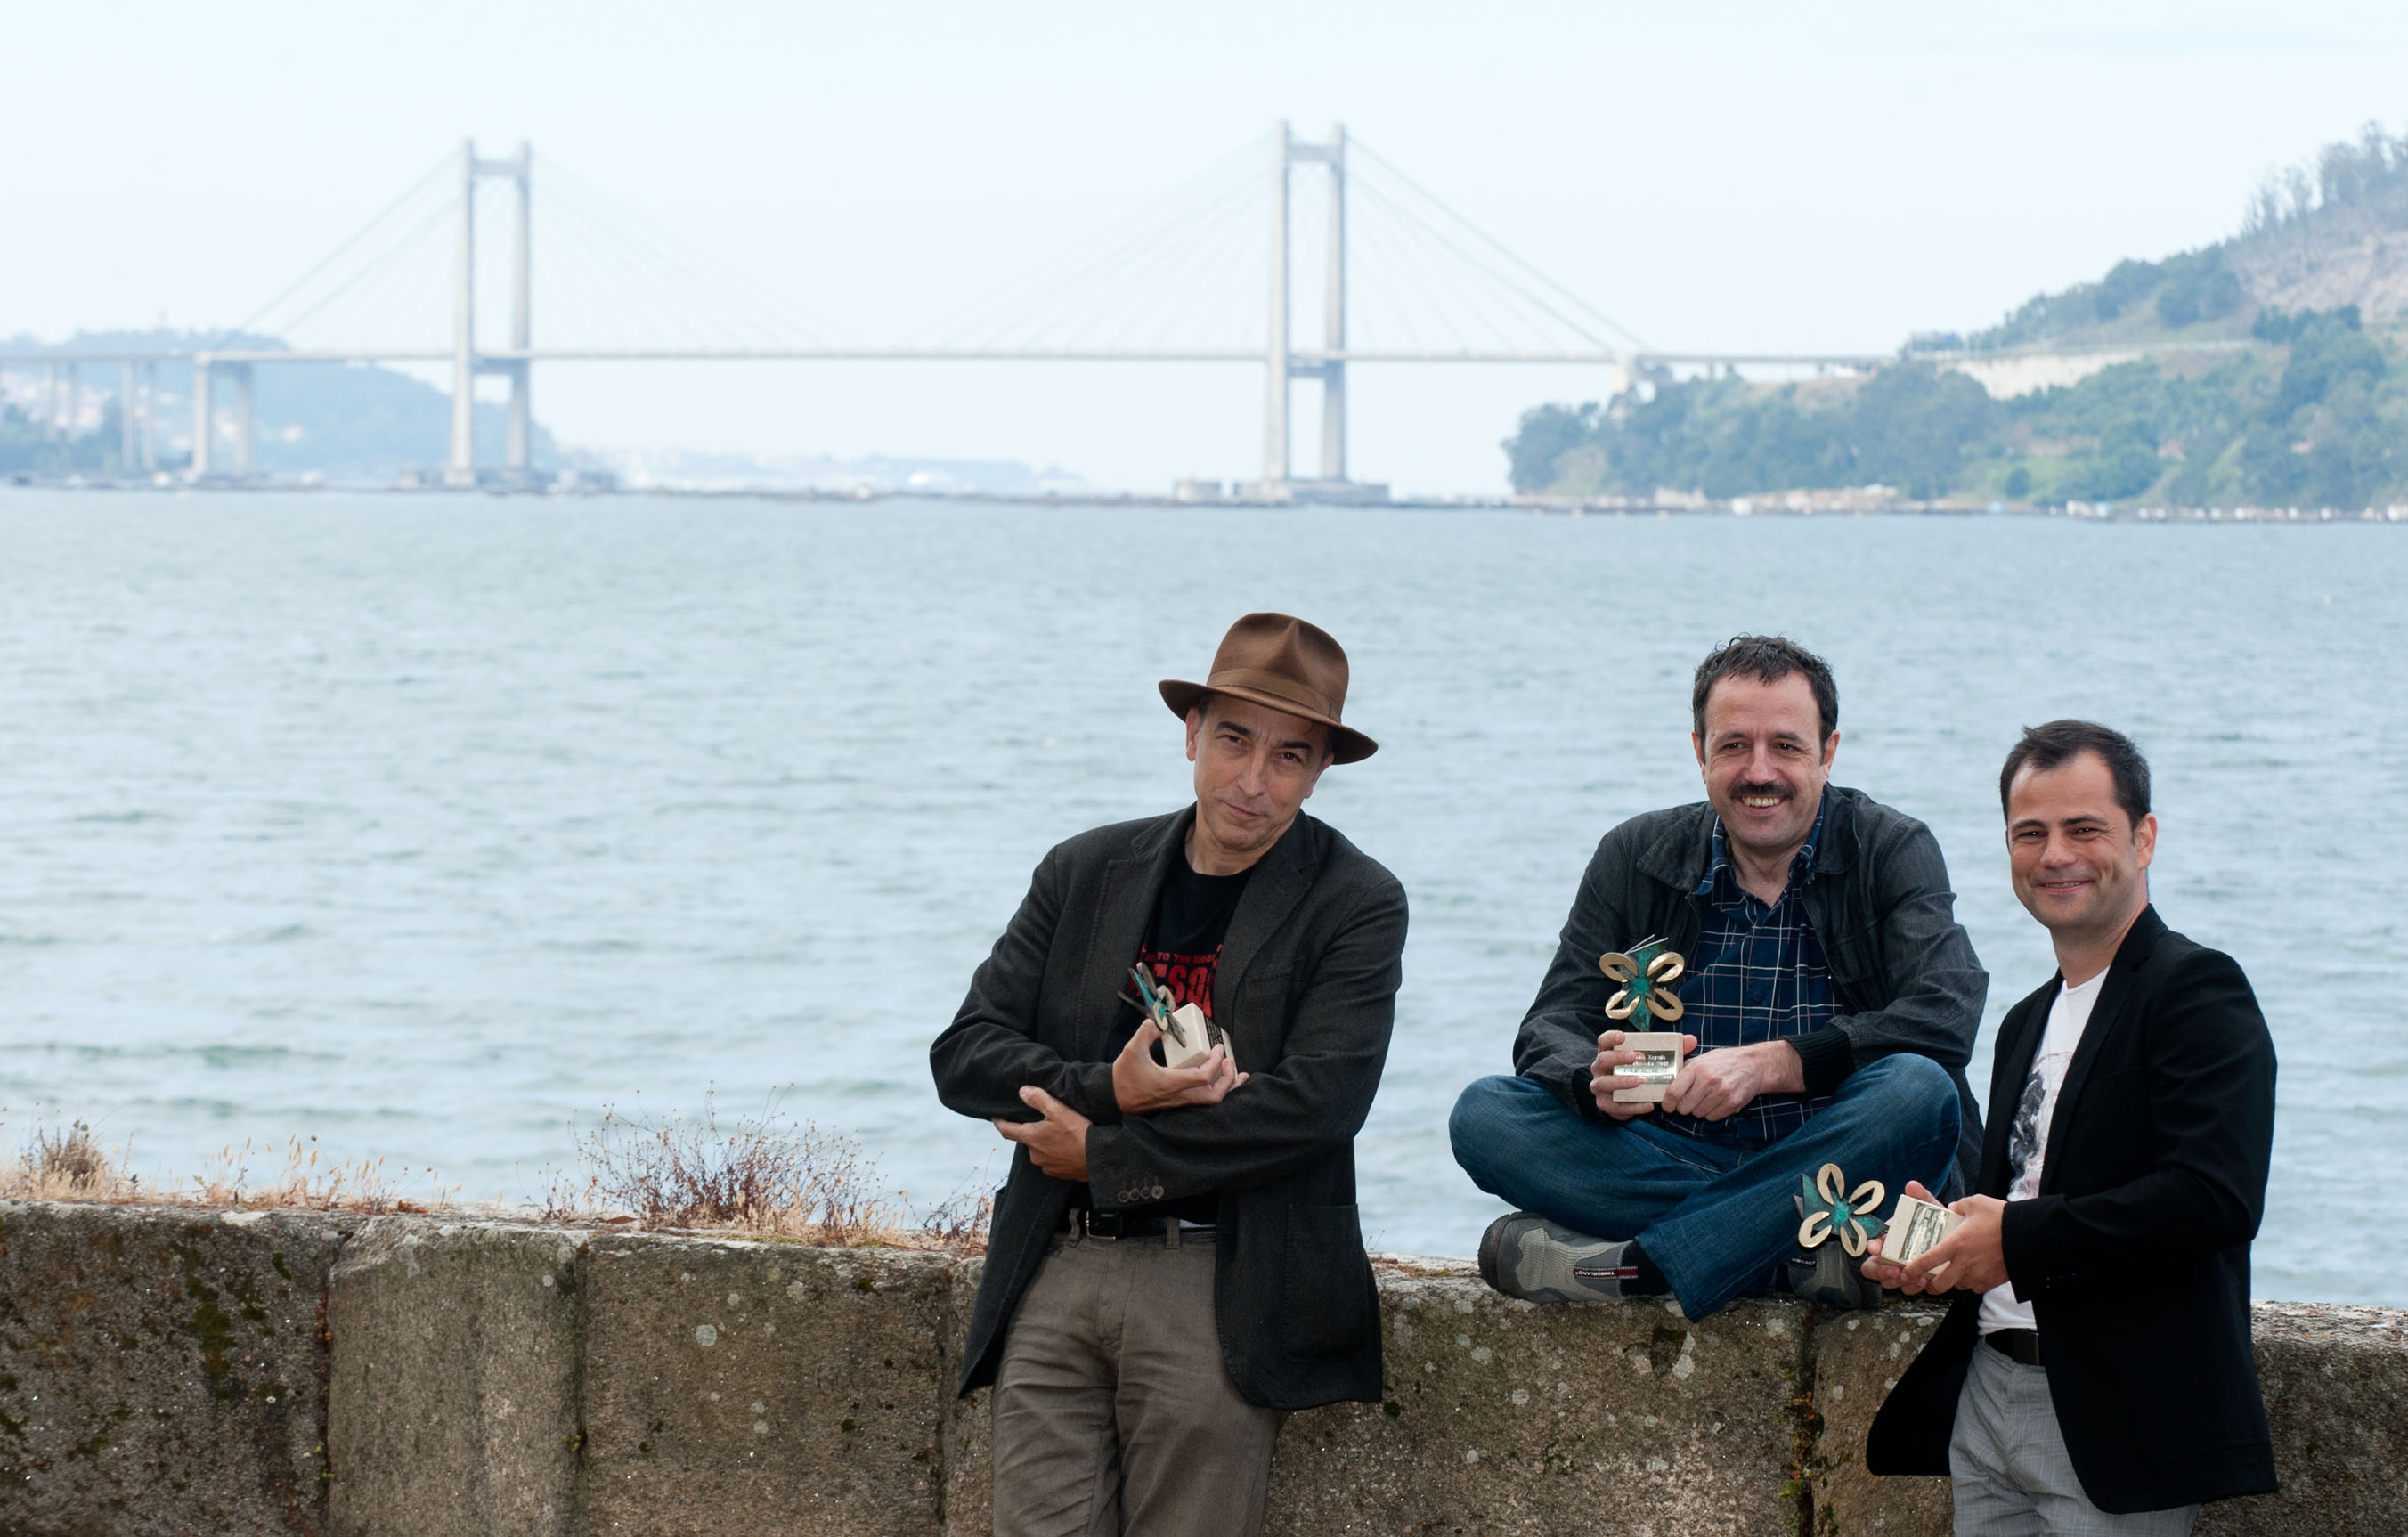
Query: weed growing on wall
x,y
70,1163
770,1174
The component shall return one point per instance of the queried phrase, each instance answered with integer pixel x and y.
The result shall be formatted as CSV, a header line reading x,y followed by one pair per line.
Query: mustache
x,y
1777,790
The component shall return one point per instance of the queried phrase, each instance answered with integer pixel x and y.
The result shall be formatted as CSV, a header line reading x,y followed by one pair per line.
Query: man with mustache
x,y
1831,998
2132,1105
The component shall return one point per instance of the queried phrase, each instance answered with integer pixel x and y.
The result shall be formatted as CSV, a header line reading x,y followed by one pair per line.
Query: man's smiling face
x,y
2079,863
1764,760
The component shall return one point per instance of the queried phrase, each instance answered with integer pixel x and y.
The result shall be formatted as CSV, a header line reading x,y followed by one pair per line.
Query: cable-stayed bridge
x,y
1207,272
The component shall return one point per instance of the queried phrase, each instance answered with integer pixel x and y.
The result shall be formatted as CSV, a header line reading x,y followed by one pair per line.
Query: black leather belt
x,y
1114,1225
2021,1345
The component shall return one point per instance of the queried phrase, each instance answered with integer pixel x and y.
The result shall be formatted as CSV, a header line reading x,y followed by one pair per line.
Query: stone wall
x,y
172,1372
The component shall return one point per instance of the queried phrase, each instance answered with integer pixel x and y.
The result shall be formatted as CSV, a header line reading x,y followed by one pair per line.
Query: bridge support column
x,y
1279,363
1333,370
461,467
204,427
1275,359
125,423
522,445
242,419
150,417
521,419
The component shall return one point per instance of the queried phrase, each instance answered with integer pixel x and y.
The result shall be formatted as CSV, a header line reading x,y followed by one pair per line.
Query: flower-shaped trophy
x,y
1645,974
1830,1208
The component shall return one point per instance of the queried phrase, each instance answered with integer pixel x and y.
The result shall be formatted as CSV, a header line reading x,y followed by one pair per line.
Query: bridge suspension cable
x,y
1534,286
1202,271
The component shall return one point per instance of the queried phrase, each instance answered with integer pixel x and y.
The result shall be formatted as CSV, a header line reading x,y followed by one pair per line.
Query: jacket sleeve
x,y
1557,1046
1936,984
1286,1118
2210,1132
991,1049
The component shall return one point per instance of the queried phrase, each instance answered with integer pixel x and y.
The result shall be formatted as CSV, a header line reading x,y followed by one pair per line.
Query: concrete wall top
x,y
163,1370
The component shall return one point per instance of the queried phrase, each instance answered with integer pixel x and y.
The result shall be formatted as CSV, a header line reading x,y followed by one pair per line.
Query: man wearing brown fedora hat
x,y
1176,1260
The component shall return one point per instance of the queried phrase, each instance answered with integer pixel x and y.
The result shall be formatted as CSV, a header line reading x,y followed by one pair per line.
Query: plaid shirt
x,y
1757,975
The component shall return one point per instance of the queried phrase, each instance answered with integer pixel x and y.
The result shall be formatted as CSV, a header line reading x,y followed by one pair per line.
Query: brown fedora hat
x,y
1280,662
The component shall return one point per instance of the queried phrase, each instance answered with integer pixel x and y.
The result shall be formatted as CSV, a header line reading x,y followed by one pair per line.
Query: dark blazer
x,y
2135,1254
1902,970
1307,991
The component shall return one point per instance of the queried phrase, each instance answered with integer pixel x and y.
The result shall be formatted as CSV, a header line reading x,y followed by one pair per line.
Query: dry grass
x,y
767,1176
71,1164
65,1165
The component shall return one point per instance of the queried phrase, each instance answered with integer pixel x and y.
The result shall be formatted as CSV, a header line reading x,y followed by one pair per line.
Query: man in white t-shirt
x,y
2095,1375
2027,1139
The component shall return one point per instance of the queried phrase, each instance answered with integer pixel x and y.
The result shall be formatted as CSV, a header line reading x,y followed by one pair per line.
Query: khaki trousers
x,y
1113,1412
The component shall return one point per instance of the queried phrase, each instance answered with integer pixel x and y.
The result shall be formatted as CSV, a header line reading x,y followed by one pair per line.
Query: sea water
x,y
432,826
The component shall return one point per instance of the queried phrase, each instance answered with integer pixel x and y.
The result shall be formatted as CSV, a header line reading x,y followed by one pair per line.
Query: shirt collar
x,y
1802,864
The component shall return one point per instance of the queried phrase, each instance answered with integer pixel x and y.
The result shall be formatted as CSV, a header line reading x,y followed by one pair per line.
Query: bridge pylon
x,y
1279,363
465,362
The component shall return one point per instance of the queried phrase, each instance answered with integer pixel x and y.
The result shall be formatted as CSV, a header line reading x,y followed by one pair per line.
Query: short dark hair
x,y
2051,746
1768,659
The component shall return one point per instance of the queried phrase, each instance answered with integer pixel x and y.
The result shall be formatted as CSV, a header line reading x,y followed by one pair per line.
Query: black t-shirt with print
x,y
1182,950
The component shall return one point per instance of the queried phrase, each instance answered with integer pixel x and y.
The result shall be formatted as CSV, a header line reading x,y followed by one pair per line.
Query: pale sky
x,y
1736,177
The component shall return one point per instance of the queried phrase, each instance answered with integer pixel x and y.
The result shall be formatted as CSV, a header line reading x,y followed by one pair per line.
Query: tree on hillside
x,y
2322,439
1913,426
2198,285
1546,434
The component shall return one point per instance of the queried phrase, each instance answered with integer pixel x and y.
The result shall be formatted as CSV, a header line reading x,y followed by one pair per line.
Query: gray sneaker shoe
x,y
1526,1255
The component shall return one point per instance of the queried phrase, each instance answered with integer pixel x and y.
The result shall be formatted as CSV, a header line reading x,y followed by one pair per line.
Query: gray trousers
x,y
2008,1468
1113,1411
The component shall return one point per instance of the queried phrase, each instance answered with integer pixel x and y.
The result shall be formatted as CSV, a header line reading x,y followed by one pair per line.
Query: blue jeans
x,y
1714,1214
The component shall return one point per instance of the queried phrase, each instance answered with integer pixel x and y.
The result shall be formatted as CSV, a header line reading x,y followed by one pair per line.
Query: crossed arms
x,y
1330,984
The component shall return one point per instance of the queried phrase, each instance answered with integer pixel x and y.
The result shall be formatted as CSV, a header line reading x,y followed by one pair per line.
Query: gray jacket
x,y
1903,970
1306,989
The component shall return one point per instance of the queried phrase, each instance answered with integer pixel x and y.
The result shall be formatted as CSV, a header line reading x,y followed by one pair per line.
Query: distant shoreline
x,y
1869,502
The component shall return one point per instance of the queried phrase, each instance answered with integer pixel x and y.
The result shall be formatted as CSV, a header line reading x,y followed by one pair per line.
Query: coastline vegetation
x,y
2317,415
28,448
2255,404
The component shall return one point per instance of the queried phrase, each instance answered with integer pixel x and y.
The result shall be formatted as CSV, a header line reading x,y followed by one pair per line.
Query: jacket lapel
x,y
1279,884
1125,900
2123,974
2019,1036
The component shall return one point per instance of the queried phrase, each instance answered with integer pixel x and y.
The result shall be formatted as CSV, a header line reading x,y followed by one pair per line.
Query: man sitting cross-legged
x,y
1832,1000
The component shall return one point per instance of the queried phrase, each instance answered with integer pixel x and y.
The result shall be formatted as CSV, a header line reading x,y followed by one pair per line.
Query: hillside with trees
x,y
2299,395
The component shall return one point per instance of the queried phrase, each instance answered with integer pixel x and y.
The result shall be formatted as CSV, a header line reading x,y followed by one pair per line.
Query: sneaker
x,y
1526,1255
1828,1276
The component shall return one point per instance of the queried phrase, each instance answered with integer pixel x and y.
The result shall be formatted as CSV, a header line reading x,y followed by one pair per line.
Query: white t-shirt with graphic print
x,y
2028,1144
